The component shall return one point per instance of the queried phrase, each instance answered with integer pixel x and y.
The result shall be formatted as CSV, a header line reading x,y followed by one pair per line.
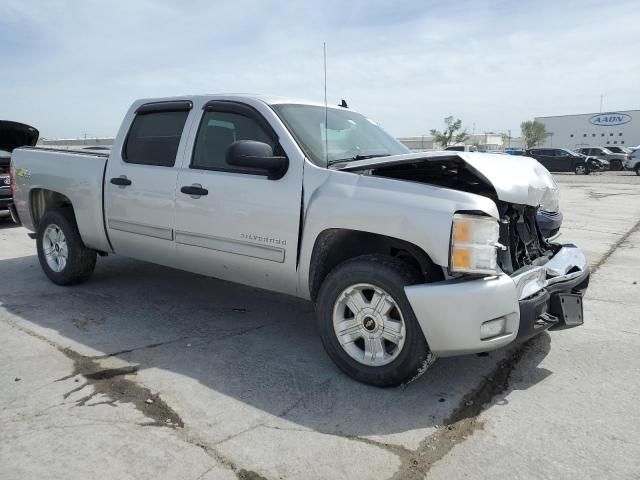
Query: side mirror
x,y
257,156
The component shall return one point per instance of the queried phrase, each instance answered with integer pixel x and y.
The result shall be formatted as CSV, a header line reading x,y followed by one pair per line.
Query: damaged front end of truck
x,y
534,285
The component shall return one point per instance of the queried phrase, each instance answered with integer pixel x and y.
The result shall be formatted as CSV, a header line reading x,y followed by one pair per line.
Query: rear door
x,y
140,182
242,226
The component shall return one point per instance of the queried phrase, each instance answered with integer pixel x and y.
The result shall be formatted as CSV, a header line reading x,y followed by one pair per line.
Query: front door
x,y
234,223
564,161
545,158
140,184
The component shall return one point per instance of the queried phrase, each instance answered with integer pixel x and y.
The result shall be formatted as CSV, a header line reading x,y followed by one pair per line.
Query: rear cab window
x,y
155,133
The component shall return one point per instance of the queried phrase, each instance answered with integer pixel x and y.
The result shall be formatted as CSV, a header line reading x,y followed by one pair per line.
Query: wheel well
x,y
43,200
334,246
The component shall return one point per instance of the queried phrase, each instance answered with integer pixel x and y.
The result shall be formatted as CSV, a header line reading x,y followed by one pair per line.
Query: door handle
x,y
194,190
121,181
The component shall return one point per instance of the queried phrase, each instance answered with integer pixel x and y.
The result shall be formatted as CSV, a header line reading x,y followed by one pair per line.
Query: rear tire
x,y
385,346
581,169
616,165
61,252
638,169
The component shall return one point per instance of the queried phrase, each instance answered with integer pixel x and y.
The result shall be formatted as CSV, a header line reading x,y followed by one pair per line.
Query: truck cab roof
x,y
239,97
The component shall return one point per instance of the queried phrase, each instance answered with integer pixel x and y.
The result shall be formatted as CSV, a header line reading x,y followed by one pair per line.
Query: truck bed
x,y
78,175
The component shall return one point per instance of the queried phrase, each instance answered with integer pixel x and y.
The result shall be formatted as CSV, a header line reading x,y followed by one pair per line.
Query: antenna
x,y
326,108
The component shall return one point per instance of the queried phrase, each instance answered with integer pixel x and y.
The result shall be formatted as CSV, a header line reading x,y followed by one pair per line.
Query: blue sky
x,y
73,67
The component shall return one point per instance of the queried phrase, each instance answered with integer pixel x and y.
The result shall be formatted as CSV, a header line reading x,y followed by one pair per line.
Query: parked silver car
x,y
616,160
633,161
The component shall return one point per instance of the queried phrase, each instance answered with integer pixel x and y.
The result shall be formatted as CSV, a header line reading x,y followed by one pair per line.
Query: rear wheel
x,y
366,323
638,169
581,169
61,252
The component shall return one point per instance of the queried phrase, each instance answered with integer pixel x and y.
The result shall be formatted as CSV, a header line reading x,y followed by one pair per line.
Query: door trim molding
x,y
227,245
141,229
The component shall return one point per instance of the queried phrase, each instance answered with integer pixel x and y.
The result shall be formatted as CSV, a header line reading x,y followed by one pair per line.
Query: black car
x,y
12,135
562,160
549,223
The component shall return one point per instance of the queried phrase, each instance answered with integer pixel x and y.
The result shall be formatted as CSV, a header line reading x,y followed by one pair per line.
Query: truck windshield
x,y
349,136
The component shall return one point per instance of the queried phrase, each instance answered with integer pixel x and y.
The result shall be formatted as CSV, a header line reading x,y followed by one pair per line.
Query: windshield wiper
x,y
357,157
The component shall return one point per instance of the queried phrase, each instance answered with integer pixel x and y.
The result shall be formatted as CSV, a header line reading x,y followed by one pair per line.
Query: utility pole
x,y
601,103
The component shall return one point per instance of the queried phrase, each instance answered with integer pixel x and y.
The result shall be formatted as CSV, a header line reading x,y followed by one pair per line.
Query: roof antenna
x,y
326,108
343,104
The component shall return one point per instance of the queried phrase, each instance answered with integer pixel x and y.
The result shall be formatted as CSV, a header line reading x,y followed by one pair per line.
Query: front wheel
x,y
581,169
366,323
61,252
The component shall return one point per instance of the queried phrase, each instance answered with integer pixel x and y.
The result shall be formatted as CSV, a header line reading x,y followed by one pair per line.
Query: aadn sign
x,y
609,119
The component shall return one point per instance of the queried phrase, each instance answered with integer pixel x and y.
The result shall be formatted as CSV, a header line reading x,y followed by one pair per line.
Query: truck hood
x,y
513,179
14,135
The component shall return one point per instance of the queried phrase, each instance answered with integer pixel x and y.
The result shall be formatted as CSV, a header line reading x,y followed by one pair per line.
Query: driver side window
x,y
217,131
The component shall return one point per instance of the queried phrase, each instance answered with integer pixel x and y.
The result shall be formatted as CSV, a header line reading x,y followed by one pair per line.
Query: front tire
x,y
366,323
61,252
581,169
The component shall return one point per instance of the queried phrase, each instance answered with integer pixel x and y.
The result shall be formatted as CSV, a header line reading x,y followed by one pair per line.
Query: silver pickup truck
x,y
407,256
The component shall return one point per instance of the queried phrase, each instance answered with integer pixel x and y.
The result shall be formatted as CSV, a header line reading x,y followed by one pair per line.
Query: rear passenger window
x,y
154,138
218,130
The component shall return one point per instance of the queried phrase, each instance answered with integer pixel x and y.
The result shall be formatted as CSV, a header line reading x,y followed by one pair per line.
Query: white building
x,y
620,128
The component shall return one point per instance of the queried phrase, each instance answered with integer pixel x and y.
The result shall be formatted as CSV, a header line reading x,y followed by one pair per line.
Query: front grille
x,y
519,232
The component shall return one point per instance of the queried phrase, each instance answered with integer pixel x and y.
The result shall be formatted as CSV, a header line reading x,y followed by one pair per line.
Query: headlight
x,y
474,240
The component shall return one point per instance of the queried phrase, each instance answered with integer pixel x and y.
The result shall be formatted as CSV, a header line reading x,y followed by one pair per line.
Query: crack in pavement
x,y
137,349
615,246
113,384
240,473
462,422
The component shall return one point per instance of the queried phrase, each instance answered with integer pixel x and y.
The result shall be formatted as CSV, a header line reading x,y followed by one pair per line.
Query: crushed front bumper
x,y
451,313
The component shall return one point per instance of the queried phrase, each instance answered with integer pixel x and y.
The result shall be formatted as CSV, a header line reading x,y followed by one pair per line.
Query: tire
x,y
384,274
581,169
616,165
61,252
638,169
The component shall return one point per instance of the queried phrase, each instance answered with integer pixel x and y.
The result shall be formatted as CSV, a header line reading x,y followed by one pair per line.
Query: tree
x,y
533,133
452,134
506,140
